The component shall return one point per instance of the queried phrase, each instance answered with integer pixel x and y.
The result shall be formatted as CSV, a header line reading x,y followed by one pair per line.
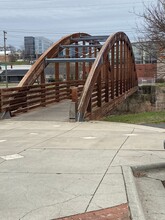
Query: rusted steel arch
x,y
38,67
102,62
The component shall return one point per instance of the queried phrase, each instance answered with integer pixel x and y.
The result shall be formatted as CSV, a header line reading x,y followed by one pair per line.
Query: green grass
x,y
3,85
16,63
160,84
139,118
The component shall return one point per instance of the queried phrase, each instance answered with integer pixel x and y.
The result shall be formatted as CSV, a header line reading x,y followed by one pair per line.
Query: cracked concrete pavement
x,y
69,168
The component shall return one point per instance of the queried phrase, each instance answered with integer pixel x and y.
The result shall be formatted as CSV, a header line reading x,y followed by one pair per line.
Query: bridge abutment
x,y
147,98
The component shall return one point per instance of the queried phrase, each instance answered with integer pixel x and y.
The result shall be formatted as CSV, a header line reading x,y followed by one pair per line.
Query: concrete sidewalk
x,y
52,169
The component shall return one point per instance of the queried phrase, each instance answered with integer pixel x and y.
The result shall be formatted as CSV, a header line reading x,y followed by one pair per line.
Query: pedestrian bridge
x,y
95,72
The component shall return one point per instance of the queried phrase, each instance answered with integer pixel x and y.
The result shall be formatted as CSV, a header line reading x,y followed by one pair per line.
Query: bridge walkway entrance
x,y
54,112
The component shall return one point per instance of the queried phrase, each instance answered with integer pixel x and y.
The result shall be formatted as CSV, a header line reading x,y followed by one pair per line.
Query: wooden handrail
x,y
21,99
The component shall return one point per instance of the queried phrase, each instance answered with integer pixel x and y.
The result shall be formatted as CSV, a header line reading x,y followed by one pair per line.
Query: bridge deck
x,y
56,112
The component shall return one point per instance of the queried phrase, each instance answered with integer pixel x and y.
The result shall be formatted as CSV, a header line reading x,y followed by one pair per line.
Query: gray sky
x,y
56,18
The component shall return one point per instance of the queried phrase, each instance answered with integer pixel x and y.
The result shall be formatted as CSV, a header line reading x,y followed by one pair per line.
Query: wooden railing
x,y
22,99
101,99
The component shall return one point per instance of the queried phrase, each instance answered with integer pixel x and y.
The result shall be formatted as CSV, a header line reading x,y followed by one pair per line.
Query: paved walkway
x,y
57,112
51,169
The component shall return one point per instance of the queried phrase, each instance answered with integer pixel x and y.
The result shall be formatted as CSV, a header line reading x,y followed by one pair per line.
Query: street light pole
x,y
5,38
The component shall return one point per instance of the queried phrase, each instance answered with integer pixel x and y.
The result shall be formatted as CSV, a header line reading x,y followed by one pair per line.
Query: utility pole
x,y
5,38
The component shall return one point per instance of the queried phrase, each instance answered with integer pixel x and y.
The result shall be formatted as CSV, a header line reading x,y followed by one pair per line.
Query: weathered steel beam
x,y
74,46
90,38
68,60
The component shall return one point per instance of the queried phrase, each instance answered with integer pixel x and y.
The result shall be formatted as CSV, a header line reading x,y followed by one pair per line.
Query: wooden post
x,y
84,68
74,103
57,78
90,55
129,86
67,66
99,92
67,73
43,96
57,92
76,64
112,73
89,108
125,66
95,51
24,90
127,73
42,77
121,67
106,72
74,91
57,74
131,70
117,68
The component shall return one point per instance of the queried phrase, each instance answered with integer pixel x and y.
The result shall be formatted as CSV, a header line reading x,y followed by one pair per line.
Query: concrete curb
x,y
132,193
148,167
135,205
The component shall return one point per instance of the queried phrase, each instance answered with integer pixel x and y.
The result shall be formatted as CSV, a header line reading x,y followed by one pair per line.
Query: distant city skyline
x,y
54,19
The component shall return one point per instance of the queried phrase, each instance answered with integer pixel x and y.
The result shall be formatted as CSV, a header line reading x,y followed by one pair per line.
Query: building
x,y
41,45
29,44
9,55
143,54
13,75
35,46
146,62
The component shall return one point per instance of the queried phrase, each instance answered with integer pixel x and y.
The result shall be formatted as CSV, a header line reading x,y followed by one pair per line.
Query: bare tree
x,y
151,31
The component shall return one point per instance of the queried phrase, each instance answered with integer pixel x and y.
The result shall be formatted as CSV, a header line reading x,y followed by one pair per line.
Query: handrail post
x,y
43,96
57,92
74,103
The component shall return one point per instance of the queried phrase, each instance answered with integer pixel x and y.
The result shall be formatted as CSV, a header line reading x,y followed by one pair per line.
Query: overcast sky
x,y
56,18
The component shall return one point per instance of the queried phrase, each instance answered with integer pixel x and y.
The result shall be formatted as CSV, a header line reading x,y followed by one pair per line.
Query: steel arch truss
x,y
111,79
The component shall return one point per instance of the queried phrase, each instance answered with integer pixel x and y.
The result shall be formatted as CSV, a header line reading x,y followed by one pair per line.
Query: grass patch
x,y
160,84
3,85
139,118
